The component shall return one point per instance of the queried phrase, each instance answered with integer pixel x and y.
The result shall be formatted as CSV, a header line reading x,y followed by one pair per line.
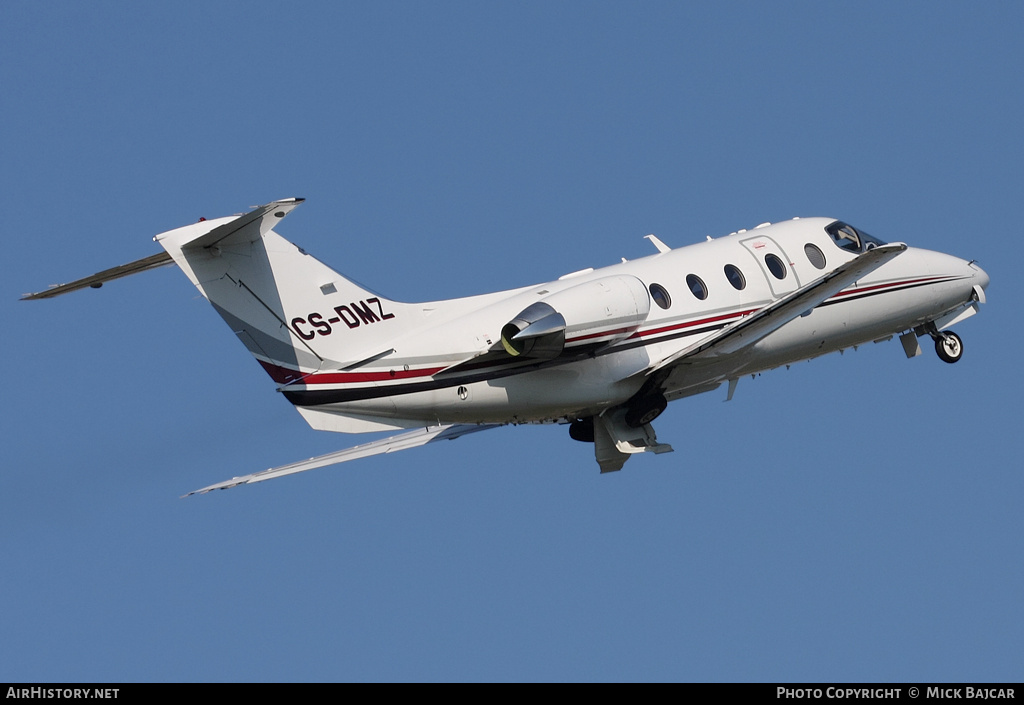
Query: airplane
x,y
602,351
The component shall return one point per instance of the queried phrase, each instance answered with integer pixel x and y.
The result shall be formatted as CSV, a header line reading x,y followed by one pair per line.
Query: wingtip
x,y
226,485
46,293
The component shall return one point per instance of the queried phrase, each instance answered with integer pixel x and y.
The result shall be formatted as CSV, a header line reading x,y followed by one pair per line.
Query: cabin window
x,y
696,285
735,276
660,295
814,256
775,266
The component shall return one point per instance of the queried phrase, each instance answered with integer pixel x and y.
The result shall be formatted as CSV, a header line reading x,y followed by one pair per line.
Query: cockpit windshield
x,y
850,238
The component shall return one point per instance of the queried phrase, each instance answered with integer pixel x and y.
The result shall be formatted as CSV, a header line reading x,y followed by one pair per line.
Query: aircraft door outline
x,y
761,248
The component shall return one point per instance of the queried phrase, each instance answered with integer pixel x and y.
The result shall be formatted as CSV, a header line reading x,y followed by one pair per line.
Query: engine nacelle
x,y
593,313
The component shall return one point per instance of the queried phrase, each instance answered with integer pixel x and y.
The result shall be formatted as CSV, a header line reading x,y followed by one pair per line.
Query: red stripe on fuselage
x,y
885,286
691,324
284,375
599,335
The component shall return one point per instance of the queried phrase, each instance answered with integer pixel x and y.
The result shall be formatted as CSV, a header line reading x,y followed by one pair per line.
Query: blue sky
x,y
854,518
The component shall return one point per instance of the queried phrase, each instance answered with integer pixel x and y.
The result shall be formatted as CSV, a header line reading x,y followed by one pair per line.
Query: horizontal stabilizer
x,y
100,278
249,226
402,441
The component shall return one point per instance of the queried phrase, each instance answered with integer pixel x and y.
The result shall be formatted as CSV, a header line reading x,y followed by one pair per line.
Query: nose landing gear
x,y
948,346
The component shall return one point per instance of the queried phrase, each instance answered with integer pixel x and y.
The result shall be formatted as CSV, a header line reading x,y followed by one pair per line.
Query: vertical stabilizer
x,y
294,314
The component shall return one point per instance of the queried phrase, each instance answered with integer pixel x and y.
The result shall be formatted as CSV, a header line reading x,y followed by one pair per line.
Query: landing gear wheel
x,y
949,347
582,430
646,410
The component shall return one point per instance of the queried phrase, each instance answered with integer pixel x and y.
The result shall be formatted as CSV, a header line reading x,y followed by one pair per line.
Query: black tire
x,y
582,430
949,347
645,410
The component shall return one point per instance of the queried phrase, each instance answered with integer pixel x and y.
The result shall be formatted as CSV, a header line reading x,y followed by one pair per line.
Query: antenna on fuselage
x,y
662,247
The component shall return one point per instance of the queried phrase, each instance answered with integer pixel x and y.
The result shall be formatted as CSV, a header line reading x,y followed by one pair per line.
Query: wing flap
x,y
402,441
769,319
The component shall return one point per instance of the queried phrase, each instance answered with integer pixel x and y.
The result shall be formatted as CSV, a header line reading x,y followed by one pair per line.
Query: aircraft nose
x,y
980,275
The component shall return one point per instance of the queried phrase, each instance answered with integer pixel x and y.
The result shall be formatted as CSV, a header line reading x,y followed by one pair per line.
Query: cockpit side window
x,y
849,238
870,243
844,235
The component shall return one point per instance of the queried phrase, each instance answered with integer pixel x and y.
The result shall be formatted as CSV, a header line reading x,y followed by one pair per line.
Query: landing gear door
x,y
775,264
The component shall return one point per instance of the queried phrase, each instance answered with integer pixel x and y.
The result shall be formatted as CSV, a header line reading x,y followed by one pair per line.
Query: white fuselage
x,y
431,377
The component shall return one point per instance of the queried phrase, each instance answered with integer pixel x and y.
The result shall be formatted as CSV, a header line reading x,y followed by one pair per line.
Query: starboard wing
x,y
767,320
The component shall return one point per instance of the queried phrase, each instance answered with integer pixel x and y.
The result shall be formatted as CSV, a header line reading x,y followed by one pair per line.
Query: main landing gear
x,y
582,430
614,438
645,409
639,413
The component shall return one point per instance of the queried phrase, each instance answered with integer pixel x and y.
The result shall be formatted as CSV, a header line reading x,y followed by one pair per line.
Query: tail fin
x,y
295,315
